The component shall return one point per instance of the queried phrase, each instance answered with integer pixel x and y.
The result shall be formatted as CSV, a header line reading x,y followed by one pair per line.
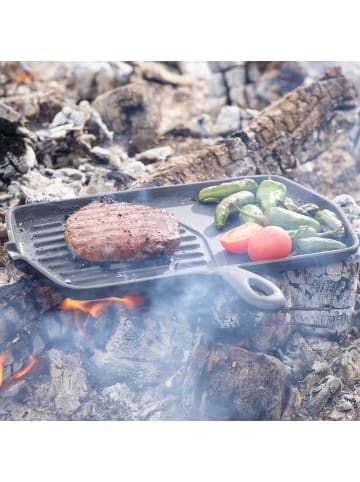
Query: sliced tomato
x,y
236,240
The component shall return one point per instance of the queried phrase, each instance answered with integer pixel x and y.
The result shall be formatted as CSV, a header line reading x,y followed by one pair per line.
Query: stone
x,y
200,70
237,96
223,65
228,120
94,78
201,125
128,110
235,77
217,87
153,155
134,168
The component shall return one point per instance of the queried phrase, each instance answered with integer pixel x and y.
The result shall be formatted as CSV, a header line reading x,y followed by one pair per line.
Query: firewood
x,y
297,128
22,299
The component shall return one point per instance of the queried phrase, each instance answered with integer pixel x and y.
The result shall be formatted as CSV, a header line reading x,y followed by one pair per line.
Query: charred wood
x,y
230,383
295,129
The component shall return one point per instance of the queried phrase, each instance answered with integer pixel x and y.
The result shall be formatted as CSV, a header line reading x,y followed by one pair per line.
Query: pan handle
x,y
245,282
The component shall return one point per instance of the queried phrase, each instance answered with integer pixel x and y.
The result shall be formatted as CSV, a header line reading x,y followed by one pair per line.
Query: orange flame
x,y
21,373
3,357
96,307
78,322
240,343
22,75
43,288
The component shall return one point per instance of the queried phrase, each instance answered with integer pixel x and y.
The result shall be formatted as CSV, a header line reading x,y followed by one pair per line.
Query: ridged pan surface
x,y
36,239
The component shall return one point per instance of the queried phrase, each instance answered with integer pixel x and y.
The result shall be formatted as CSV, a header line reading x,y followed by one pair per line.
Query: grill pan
x,y
36,244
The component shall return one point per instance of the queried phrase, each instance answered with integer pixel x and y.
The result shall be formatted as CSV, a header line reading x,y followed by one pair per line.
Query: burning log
x,y
22,301
297,128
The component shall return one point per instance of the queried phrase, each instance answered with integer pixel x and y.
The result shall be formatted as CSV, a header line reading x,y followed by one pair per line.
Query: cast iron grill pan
x,y
36,243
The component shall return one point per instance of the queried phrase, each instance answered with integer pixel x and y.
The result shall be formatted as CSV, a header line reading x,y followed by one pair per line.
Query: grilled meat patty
x,y
121,231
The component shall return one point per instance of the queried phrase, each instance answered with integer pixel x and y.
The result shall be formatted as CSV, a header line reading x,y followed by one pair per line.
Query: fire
x,y
3,357
240,343
43,288
96,307
22,75
20,373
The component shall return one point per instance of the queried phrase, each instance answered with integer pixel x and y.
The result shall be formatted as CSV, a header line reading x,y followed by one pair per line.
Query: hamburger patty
x,y
121,231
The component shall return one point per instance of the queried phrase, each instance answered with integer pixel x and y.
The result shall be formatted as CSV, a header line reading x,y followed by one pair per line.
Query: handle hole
x,y
260,287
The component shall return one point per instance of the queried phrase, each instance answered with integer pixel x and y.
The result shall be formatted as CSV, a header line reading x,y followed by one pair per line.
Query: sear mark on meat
x,y
121,231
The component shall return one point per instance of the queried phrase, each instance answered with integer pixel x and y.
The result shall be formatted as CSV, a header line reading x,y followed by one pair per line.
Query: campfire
x,y
184,335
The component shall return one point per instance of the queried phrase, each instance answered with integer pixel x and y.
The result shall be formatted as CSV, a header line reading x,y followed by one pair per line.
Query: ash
x,y
193,351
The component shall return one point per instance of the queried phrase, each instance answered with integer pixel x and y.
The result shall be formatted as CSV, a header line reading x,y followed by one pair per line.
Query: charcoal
x,y
236,384
53,185
38,108
69,381
322,393
94,124
9,114
16,156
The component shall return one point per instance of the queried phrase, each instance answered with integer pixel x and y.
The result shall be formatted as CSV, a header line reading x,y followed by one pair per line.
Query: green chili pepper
x,y
329,219
247,213
214,194
288,220
231,204
308,208
278,216
308,232
270,193
317,244
304,232
290,205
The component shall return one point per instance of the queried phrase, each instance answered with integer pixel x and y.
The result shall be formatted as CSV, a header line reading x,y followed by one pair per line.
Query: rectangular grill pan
x,y
36,241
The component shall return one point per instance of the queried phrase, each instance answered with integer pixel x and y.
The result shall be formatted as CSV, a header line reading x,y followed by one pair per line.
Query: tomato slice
x,y
237,239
